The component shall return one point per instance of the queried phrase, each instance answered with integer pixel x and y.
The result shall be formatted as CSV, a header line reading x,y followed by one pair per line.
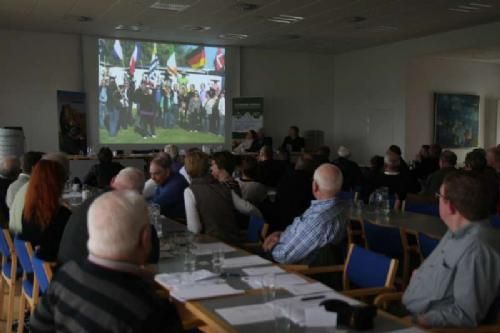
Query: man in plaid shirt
x,y
324,222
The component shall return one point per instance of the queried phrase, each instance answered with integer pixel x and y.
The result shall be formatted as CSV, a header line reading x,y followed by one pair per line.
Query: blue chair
x,y
257,229
495,221
426,245
10,273
347,196
390,242
422,208
29,285
43,273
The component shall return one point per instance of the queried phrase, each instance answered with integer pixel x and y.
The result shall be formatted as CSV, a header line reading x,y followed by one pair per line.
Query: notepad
x,y
308,288
197,291
319,317
246,314
174,280
281,280
245,262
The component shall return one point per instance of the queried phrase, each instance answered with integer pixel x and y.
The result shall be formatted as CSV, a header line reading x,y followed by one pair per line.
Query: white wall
x,y
33,66
297,90
370,88
428,75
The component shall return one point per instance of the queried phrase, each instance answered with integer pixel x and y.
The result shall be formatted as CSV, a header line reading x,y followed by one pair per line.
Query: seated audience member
x,y
251,190
350,170
16,210
428,161
475,162
222,167
210,205
173,152
293,194
262,140
447,163
182,171
376,167
391,178
28,160
249,144
456,285
403,166
9,169
269,170
322,155
100,174
493,159
74,240
110,291
44,218
170,187
323,223
293,142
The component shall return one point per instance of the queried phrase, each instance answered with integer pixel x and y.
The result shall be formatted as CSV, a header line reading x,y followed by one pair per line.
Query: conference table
x,y
411,223
205,310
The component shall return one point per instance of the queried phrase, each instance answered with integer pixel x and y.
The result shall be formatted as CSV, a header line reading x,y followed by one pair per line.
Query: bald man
x,y
323,223
110,291
74,240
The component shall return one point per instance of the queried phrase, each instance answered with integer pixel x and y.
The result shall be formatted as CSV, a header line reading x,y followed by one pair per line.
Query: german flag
x,y
196,59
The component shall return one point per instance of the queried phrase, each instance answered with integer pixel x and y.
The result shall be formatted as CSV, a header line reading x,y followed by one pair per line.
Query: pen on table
x,y
312,298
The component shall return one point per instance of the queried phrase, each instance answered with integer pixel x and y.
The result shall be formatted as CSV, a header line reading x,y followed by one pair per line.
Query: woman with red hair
x,y
44,217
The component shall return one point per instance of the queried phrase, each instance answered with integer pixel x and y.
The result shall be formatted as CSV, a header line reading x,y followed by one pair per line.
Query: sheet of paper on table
x,y
201,249
200,291
245,262
247,314
281,280
319,317
308,288
173,280
262,270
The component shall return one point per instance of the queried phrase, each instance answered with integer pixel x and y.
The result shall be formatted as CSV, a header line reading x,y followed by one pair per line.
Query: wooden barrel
x,y
11,142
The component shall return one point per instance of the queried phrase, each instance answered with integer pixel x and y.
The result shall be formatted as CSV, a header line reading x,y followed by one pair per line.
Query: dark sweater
x,y
91,298
100,175
47,239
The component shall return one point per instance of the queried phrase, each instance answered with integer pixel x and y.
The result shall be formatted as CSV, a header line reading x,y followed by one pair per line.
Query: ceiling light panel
x,y
286,19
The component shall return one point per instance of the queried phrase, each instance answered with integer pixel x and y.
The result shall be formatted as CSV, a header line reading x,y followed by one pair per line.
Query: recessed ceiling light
x,y
483,5
470,7
174,7
287,19
459,10
233,36
132,27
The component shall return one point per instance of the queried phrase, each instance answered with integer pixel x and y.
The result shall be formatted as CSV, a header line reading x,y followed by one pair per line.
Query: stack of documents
x,y
197,285
201,249
251,271
247,314
245,262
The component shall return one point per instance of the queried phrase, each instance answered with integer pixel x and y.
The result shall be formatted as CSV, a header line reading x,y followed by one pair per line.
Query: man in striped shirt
x,y
110,291
323,223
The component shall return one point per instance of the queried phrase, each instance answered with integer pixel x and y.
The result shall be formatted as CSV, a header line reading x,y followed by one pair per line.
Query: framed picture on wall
x,y
456,120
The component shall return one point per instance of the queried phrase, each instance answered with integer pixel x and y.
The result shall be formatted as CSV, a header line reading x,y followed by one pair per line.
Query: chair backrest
x,y
43,273
384,240
24,253
367,269
495,221
422,208
426,244
254,231
4,246
347,196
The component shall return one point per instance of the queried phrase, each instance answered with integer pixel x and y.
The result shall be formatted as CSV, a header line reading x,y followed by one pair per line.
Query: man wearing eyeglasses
x,y
458,283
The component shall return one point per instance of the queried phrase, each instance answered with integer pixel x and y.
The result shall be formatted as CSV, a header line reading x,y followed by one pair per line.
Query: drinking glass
x,y
154,216
189,262
217,261
282,320
269,286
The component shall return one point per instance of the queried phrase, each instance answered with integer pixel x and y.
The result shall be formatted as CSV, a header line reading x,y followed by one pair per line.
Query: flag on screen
x,y
117,50
172,65
155,61
219,62
134,59
196,59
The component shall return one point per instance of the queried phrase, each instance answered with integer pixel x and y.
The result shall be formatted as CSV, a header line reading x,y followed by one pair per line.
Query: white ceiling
x,y
327,27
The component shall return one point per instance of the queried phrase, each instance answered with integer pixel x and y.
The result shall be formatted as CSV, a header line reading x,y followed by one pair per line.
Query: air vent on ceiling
x,y
173,7
286,19
357,19
382,28
196,28
233,36
246,6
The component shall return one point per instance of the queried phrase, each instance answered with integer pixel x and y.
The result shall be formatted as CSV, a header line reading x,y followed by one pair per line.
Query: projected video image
x,y
160,93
